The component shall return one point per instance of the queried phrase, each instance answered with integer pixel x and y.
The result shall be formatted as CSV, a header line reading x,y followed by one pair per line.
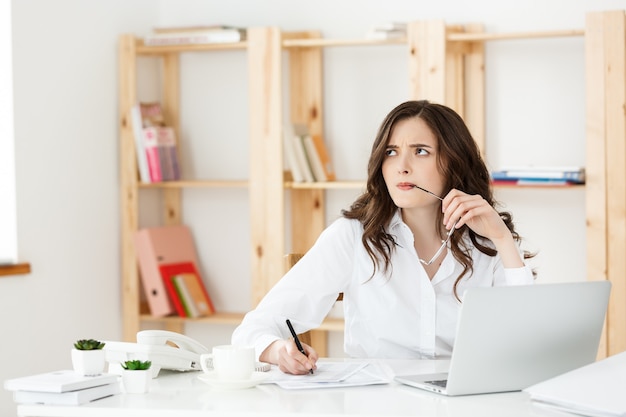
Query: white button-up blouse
x,y
399,314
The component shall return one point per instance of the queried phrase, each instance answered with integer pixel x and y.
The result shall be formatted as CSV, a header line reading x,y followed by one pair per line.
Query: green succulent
x,y
137,365
88,344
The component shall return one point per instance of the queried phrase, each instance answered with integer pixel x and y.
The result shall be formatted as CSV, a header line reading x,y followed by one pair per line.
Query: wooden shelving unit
x,y
446,65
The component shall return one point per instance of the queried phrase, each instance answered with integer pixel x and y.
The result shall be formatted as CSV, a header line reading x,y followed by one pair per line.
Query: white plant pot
x,y
88,362
136,382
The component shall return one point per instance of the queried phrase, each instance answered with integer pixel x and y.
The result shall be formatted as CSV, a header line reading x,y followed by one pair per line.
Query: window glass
x,y
8,222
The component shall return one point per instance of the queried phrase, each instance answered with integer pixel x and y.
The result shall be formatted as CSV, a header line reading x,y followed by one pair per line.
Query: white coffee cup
x,y
229,362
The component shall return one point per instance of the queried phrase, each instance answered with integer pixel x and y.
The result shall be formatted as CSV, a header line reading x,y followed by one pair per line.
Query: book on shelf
x,y
155,144
156,246
182,284
290,156
182,308
540,175
187,290
301,158
76,397
161,153
194,291
151,114
170,148
304,156
196,35
319,158
389,30
151,150
59,382
142,160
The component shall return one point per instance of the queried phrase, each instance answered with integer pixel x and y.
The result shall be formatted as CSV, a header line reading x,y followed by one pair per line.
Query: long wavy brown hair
x,y
461,165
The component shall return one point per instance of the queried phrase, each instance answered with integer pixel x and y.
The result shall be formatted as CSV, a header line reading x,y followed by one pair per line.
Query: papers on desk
x,y
333,375
595,390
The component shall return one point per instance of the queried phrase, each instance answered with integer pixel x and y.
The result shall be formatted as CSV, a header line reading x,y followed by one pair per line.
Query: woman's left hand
x,y
475,212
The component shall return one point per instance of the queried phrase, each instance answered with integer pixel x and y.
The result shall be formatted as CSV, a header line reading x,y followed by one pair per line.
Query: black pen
x,y
295,339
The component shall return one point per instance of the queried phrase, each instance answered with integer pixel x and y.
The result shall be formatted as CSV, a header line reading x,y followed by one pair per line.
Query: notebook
x,y
594,390
509,338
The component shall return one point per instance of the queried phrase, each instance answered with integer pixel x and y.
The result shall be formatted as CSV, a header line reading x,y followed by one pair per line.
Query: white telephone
x,y
156,346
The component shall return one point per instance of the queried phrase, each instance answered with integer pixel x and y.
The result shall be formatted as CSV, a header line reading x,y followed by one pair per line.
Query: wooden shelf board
x,y
217,318
319,42
14,269
452,37
329,324
476,37
197,184
142,49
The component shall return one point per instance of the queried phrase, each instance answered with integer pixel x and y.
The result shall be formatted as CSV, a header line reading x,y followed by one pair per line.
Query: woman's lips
x,y
406,186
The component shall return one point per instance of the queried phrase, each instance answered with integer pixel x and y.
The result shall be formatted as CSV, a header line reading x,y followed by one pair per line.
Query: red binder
x,y
187,290
158,246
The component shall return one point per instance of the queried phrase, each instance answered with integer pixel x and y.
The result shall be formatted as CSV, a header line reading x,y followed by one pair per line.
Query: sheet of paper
x,y
332,374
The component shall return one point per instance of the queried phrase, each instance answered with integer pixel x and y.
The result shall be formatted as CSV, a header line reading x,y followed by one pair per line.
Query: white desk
x,y
184,395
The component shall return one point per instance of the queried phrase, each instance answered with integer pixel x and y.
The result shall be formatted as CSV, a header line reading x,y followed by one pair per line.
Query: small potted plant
x,y
136,376
88,357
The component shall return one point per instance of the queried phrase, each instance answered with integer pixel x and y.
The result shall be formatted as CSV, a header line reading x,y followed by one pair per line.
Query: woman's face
x,y
411,160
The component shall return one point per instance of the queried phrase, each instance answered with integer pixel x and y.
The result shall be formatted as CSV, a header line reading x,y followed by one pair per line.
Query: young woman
x,y
424,231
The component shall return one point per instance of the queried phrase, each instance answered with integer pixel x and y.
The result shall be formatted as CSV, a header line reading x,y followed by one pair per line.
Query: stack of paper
x,y
594,390
332,375
62,388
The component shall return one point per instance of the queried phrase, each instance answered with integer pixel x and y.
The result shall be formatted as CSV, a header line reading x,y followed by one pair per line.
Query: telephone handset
x,y
164,337
156,346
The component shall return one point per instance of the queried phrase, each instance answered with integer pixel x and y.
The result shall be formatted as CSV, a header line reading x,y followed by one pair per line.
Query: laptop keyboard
x,y
440,383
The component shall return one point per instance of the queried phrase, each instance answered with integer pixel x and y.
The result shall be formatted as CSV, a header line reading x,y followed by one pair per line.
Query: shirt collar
x,y
395,221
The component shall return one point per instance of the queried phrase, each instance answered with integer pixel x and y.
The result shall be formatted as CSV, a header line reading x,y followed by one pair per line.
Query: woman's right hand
x,y
289,359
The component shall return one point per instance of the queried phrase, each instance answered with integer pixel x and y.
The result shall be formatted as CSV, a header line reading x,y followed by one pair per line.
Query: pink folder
x,y
156,246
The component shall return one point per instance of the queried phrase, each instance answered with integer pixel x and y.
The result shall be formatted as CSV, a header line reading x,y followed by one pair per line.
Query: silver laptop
x,y
509,338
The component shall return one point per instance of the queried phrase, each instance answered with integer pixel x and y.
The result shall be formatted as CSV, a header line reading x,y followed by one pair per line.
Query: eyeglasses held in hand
x,y
444,243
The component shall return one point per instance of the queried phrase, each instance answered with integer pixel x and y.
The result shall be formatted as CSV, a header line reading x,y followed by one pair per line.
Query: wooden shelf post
x,y
129,194
267,208
605,56
308,214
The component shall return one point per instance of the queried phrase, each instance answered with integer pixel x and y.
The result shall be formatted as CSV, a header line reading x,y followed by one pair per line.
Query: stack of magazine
x,y
389,30
195,35
532,175
62,388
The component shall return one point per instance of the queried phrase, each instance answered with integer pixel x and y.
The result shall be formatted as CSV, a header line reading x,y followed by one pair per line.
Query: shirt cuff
x,y
262,343
518,276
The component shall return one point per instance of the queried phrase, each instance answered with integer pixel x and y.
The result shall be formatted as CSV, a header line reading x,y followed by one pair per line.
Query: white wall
x,y
65,73
67,154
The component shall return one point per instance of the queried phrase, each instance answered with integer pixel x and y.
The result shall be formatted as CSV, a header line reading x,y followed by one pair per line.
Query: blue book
x,y
541,175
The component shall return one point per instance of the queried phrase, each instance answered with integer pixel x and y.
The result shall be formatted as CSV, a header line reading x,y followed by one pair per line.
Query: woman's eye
x,y
421,151
390,152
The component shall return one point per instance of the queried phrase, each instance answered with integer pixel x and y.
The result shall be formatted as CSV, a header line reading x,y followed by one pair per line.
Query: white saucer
x,y
214,381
